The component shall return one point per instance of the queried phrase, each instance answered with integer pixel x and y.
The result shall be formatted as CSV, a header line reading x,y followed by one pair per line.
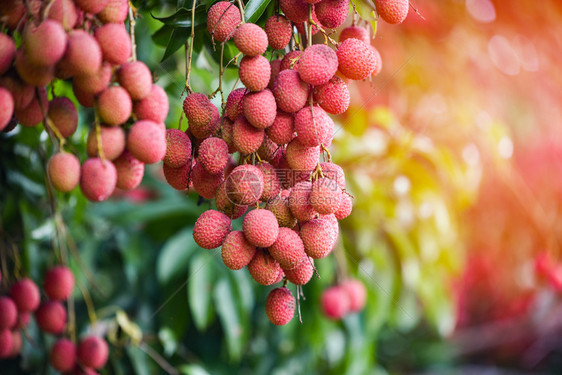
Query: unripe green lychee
x,y
211,229
260,227
7,52
246,138
112,142
236,251
290,61
392,11
115,43
59,283
222,19
250,39
301,157
205,184
51,317
325,196
135,77
301,274
333,96
178,148
318,237
282,130
263,268
63,355
154,107
63,114
44,44
332,13
8,313
93,352
114,106
6,108
290,91
147,141
356,60
299,201
280,208
280,306
317,64
357,294
245,184
178,178
313,126
115,11
254,72
234,103
295,10
130,171
345,207
25,295
226,206
93,83
288,249
98,179
279,31
356,32
63,169
335,302
91,6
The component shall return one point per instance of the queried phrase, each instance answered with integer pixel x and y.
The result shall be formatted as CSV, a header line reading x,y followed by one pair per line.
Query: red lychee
x,y
288,249
26,295
6,108
333,96
34,75
317,64
263,268
335,302
115,11
280,208
63,114
271,184
246,138
332,13
178,148
318,237
295,10
245,184
301,157
51,317
94,83
91,6
114,106
234,103
250,39
357,294
280,306
93,352
356,32
63,355
154,107
44,44
313,126
392,11
222,19
254,72
282,130
8,313
260,227
6,343
7,52
147,141
59,283
301,274
64,171
260,108
205,184
33,114
83,55
299,201
213,155
345,207
279,31
178,178
130,171
237,252
325,196
98,179
211,228
135,77
226,206
115,43
290,61
112,142
290,91
356,60
275,69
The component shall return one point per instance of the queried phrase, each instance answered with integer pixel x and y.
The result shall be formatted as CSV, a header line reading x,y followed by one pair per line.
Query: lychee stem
x,y
416,11
88,301
242,14
188,58
50,127
325,149
101,154
221,73
310,23
47,9
132,23
326,36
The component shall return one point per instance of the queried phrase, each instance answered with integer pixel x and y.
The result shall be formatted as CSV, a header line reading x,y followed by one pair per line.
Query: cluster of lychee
x,y
86,41
347,297
24,299
278,125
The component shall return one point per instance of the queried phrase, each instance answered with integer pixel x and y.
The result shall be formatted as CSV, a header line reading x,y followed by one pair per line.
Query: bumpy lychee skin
x,y
267,149
63,114
63,355
63,169
260,227
130,171
290,61
288,249
115,43
250,39
325,196
22,93
198,109
135,77
280,306
245,184
334,172
282,130
7,52
236,251
272,186
379,61
147,141
357,294
83,54
227,134
213,155
313,126
25,295
234,103
317,64
205,184
32,115
34,75
45,44
263,268
226,206
114,12
222,19
356,60
211,229
114,106
280,208
112,142
93,83
178,148
275,69
333,96
93,352
51,317
301,157
345,207
6,342
290,91
92,6
392,11
335,302
299,201
301,274
279,31
356,32
295,10
8,313
98,179
318,237
154,107
260,108
254,72
332,13
177,178
246,138
59,283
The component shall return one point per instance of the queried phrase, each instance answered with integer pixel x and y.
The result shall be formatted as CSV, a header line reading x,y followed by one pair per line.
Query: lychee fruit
x,y
271,185
250,39
63,169
282,130
93,352
199,112
178,178
63,114
34,75
236,251
7,52
83,54
25,295
8,313
6,108
280,208
392,11
356,32
33,114
115,43
301,157
44,44
135,77
317,64
178,148
345,207
290,61
154,107
260,108
325,196
301,274
332,13
254,72
59,283
290,91
63,355
263,268
22,93
335,302
226,206
280,306
275,69
333,96
63,11
213,155
98,179
334,172
130,171
245,184
318,237
115,11
16,344
51,317
114,106
246,138
288,249
94,83
260,227
299,201
267,149
234,103
279,31
357,294
205,184
295,10
379,61
222,19
147,141
6,343
356,60
313,126
211,229
91,6
112,142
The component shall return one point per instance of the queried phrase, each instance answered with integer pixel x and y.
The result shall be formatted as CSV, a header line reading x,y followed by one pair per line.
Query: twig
x,y
158,359
242,14
101,154
132,23
88,301
190,56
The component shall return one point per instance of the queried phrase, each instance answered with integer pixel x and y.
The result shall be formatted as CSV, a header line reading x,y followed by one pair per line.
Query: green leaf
x,y
366,10
254,9
199,288
182,17
162,35
225,304
174,256
177,39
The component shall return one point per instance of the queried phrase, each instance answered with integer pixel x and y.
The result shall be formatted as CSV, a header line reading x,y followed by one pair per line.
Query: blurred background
x,y
453,154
